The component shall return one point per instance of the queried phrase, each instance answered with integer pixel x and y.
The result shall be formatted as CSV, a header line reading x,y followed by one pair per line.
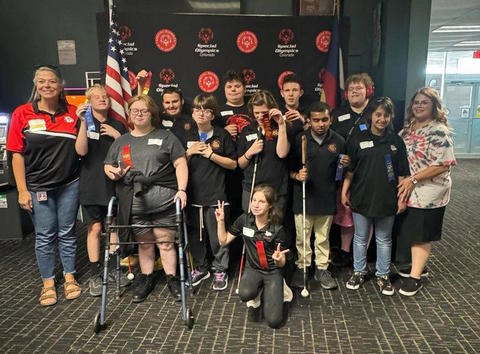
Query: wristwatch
x,y
414,180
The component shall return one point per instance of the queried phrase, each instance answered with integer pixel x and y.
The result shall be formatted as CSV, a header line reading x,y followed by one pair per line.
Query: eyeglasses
x,y
138,112
356,88
202,110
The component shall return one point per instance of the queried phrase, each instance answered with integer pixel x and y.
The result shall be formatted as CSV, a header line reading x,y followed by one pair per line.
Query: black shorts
x,y
165,219
94,213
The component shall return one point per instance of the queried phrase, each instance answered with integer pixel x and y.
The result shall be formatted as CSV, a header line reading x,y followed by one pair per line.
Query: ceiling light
x,y
447,29
467,44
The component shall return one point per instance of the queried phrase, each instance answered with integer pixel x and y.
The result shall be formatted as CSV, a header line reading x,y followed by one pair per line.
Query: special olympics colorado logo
x,y
247,42
125,33
208,81
165,40
285,36
205,35
166,75
281,77
248,76
323,41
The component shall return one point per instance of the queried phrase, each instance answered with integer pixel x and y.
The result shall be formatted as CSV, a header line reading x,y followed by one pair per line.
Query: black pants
x,y
272,283
199,247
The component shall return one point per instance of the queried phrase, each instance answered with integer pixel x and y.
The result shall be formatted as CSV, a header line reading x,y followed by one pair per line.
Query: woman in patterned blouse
x,y
429,143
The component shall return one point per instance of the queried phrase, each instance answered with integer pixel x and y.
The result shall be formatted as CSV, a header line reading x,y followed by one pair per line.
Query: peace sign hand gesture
x,y
279,256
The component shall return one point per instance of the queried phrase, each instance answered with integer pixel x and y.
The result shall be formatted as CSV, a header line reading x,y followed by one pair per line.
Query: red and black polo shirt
x,y
47,143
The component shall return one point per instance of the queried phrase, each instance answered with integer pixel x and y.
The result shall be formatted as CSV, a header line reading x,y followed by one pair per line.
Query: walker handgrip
x,y
178,214
109,216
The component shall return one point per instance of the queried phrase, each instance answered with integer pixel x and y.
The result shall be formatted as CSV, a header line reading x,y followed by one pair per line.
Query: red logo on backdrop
x,y
323,41
281,77
208,81
248,76
247,42
133,79
476,54
285,36
166,75
165,40
205,35
125,33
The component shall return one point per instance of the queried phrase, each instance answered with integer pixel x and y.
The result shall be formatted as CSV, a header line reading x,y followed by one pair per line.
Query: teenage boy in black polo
x,y
210,153
95,136
294,113
348,120
323,155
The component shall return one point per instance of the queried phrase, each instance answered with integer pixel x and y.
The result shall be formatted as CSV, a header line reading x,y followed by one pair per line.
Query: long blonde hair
x,y
439,113
35,96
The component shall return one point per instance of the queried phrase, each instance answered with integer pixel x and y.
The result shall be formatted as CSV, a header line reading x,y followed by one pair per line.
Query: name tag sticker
x,y
248,232
93,135
344,117
155,142
366,144
37,125
190,144
226,113
268,233
251,137
167,123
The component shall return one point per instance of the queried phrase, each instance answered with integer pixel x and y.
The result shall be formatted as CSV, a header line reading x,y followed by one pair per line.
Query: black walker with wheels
x,y
187,315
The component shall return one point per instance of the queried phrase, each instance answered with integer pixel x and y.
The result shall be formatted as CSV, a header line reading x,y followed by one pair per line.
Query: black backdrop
x,y
179,48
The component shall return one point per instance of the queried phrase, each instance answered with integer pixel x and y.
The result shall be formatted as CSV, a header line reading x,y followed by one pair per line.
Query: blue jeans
x,y
54,222
383,237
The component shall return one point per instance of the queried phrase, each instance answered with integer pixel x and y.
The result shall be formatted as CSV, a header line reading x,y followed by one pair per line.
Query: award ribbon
x,y
339,172
389,166
267,126
148,83
203,137
127,156
89,119
262,257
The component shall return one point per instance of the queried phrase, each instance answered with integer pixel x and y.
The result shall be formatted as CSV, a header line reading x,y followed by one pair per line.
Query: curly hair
x,y
439,113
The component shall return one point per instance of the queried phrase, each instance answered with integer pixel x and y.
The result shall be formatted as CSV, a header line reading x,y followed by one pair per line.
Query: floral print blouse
x,y
427,146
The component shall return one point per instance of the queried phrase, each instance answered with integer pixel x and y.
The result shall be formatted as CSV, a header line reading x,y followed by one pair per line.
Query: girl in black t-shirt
x,y
378,163
265,242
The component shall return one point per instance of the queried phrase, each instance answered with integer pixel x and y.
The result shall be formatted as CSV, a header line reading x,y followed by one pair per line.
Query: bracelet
x,y
414,180
210,156
246,158
182,190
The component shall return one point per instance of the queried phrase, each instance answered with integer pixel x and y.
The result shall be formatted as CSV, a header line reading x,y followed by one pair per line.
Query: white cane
x,y
304,292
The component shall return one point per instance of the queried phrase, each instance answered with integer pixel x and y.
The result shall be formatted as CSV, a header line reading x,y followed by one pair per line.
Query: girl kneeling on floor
x,y
264,239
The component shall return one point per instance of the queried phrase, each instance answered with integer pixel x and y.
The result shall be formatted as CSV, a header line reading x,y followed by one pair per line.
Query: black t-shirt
x,y
178,125
151,154
270,236
372,192
271,169
206,182
227,111
95,187
347,123
322,161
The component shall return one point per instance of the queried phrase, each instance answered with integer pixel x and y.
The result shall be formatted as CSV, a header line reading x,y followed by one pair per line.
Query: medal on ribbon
x,y
267,126
262,257
389,166
127,156
147,84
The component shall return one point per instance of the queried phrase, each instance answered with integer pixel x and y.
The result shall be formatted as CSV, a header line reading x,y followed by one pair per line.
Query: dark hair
x,y
170,90
274,213
438,110
320,107
151,106
384,102
232,75
291,78
259,98
205,101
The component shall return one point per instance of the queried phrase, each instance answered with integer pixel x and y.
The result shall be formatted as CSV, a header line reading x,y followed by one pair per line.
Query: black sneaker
x,y
199,276
144,287
299,278
221,281
355,281
385,285
325,278
411,286
112,277
95,285
173,284
405,272
342,259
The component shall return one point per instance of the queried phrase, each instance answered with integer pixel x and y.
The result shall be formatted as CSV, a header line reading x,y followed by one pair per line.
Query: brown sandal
x,y
72,288
46,298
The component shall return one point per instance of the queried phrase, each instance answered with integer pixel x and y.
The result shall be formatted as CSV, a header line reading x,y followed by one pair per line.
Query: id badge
x,y
389,166
42,196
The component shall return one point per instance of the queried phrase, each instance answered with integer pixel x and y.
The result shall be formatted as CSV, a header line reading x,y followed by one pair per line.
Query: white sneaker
x,y
255,303
287,292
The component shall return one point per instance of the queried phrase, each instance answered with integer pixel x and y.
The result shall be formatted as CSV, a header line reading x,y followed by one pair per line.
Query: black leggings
x,y
272,283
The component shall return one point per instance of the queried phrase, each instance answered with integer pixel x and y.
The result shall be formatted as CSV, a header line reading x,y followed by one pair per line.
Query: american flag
x,y
117,83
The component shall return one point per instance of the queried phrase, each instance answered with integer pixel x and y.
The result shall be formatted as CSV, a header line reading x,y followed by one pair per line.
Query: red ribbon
x,y
267,126
127,156
262,257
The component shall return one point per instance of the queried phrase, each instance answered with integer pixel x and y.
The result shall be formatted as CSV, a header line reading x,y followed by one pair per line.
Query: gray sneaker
x,y
325,278
112,277
221,281
95,285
